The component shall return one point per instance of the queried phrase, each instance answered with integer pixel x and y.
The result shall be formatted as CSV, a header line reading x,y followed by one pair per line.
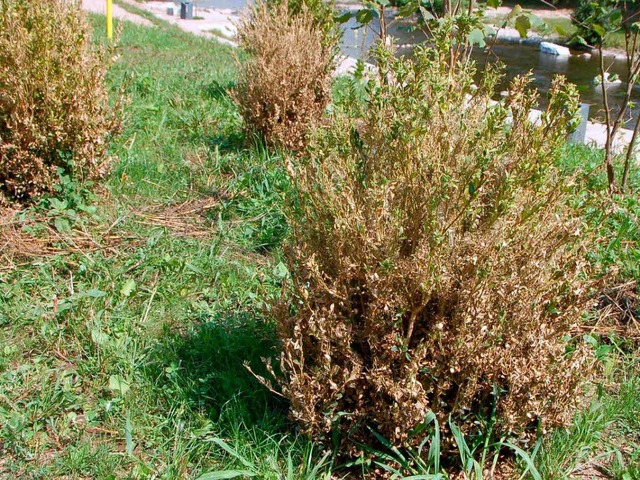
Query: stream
x,y
519,58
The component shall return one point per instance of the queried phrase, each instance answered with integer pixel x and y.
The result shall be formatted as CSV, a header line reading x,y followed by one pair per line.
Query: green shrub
x,y
54,108
284,86
323,12
436,265
593,19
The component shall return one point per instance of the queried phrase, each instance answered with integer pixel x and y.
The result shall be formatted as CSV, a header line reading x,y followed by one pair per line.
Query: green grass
x,y
219,33
616,217
562,26
603,438
123,349
140,364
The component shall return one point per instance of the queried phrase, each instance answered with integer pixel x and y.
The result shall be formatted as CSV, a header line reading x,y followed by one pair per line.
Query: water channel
x,y
519,58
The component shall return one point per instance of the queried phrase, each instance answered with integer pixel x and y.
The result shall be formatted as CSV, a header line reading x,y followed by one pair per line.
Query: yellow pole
x,y
109,19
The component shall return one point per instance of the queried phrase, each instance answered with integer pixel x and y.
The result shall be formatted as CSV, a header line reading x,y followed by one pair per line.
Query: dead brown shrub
x,y
284,85
435,261
54,106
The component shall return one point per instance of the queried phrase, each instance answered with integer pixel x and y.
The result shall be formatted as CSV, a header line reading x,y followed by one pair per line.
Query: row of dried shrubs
x,y
437,263
55,116
284,84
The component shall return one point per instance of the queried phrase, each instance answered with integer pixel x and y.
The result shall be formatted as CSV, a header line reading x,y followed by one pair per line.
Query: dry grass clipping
x,y
54,105
284,85
183,219
435,261
26,239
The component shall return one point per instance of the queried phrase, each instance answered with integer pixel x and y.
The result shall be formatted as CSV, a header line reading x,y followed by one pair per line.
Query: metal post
x,y
186,10
110,20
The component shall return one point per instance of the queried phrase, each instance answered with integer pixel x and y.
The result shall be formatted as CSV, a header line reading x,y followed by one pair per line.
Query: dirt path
x,y
100,6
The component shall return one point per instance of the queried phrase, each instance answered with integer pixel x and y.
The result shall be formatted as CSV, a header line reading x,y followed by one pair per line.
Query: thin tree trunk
x,y
608,145
633,65
446,7
629,156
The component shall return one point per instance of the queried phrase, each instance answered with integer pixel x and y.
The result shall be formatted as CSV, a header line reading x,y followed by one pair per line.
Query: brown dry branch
x,y
54,105
435,260
284,85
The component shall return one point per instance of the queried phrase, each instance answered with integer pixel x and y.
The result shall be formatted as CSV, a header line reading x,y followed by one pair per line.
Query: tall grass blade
x,y
400,457
528,460
128,435
231,451
463,448
434,448
321,464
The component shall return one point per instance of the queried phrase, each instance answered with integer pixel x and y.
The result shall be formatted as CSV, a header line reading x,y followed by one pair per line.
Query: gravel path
x,y
100,6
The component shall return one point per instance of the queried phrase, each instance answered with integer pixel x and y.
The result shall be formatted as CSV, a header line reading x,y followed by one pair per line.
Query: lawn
x,y
128,320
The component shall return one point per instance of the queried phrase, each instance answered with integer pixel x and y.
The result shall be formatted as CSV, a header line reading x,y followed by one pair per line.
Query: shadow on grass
x,y
225,142
232,143
219,90
205,368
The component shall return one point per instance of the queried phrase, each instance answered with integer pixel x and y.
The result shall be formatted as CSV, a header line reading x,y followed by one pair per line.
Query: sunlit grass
x,y
127,359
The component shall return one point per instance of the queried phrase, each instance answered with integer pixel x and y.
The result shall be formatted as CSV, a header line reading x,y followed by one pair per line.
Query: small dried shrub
x,y
54,106
436,263
284,84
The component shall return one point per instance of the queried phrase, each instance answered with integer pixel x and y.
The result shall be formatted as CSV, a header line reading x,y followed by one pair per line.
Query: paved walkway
x,y
208,22
212,23
100,6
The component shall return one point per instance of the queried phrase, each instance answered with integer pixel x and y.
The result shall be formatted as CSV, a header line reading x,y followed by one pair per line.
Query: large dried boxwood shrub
x,y
54,107
435,260
284,85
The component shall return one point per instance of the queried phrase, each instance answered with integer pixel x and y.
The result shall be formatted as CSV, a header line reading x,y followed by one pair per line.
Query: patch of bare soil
x,y
590,471
618,312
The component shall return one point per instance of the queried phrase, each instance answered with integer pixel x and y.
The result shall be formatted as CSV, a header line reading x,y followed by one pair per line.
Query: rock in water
x,y
609,79
553,49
